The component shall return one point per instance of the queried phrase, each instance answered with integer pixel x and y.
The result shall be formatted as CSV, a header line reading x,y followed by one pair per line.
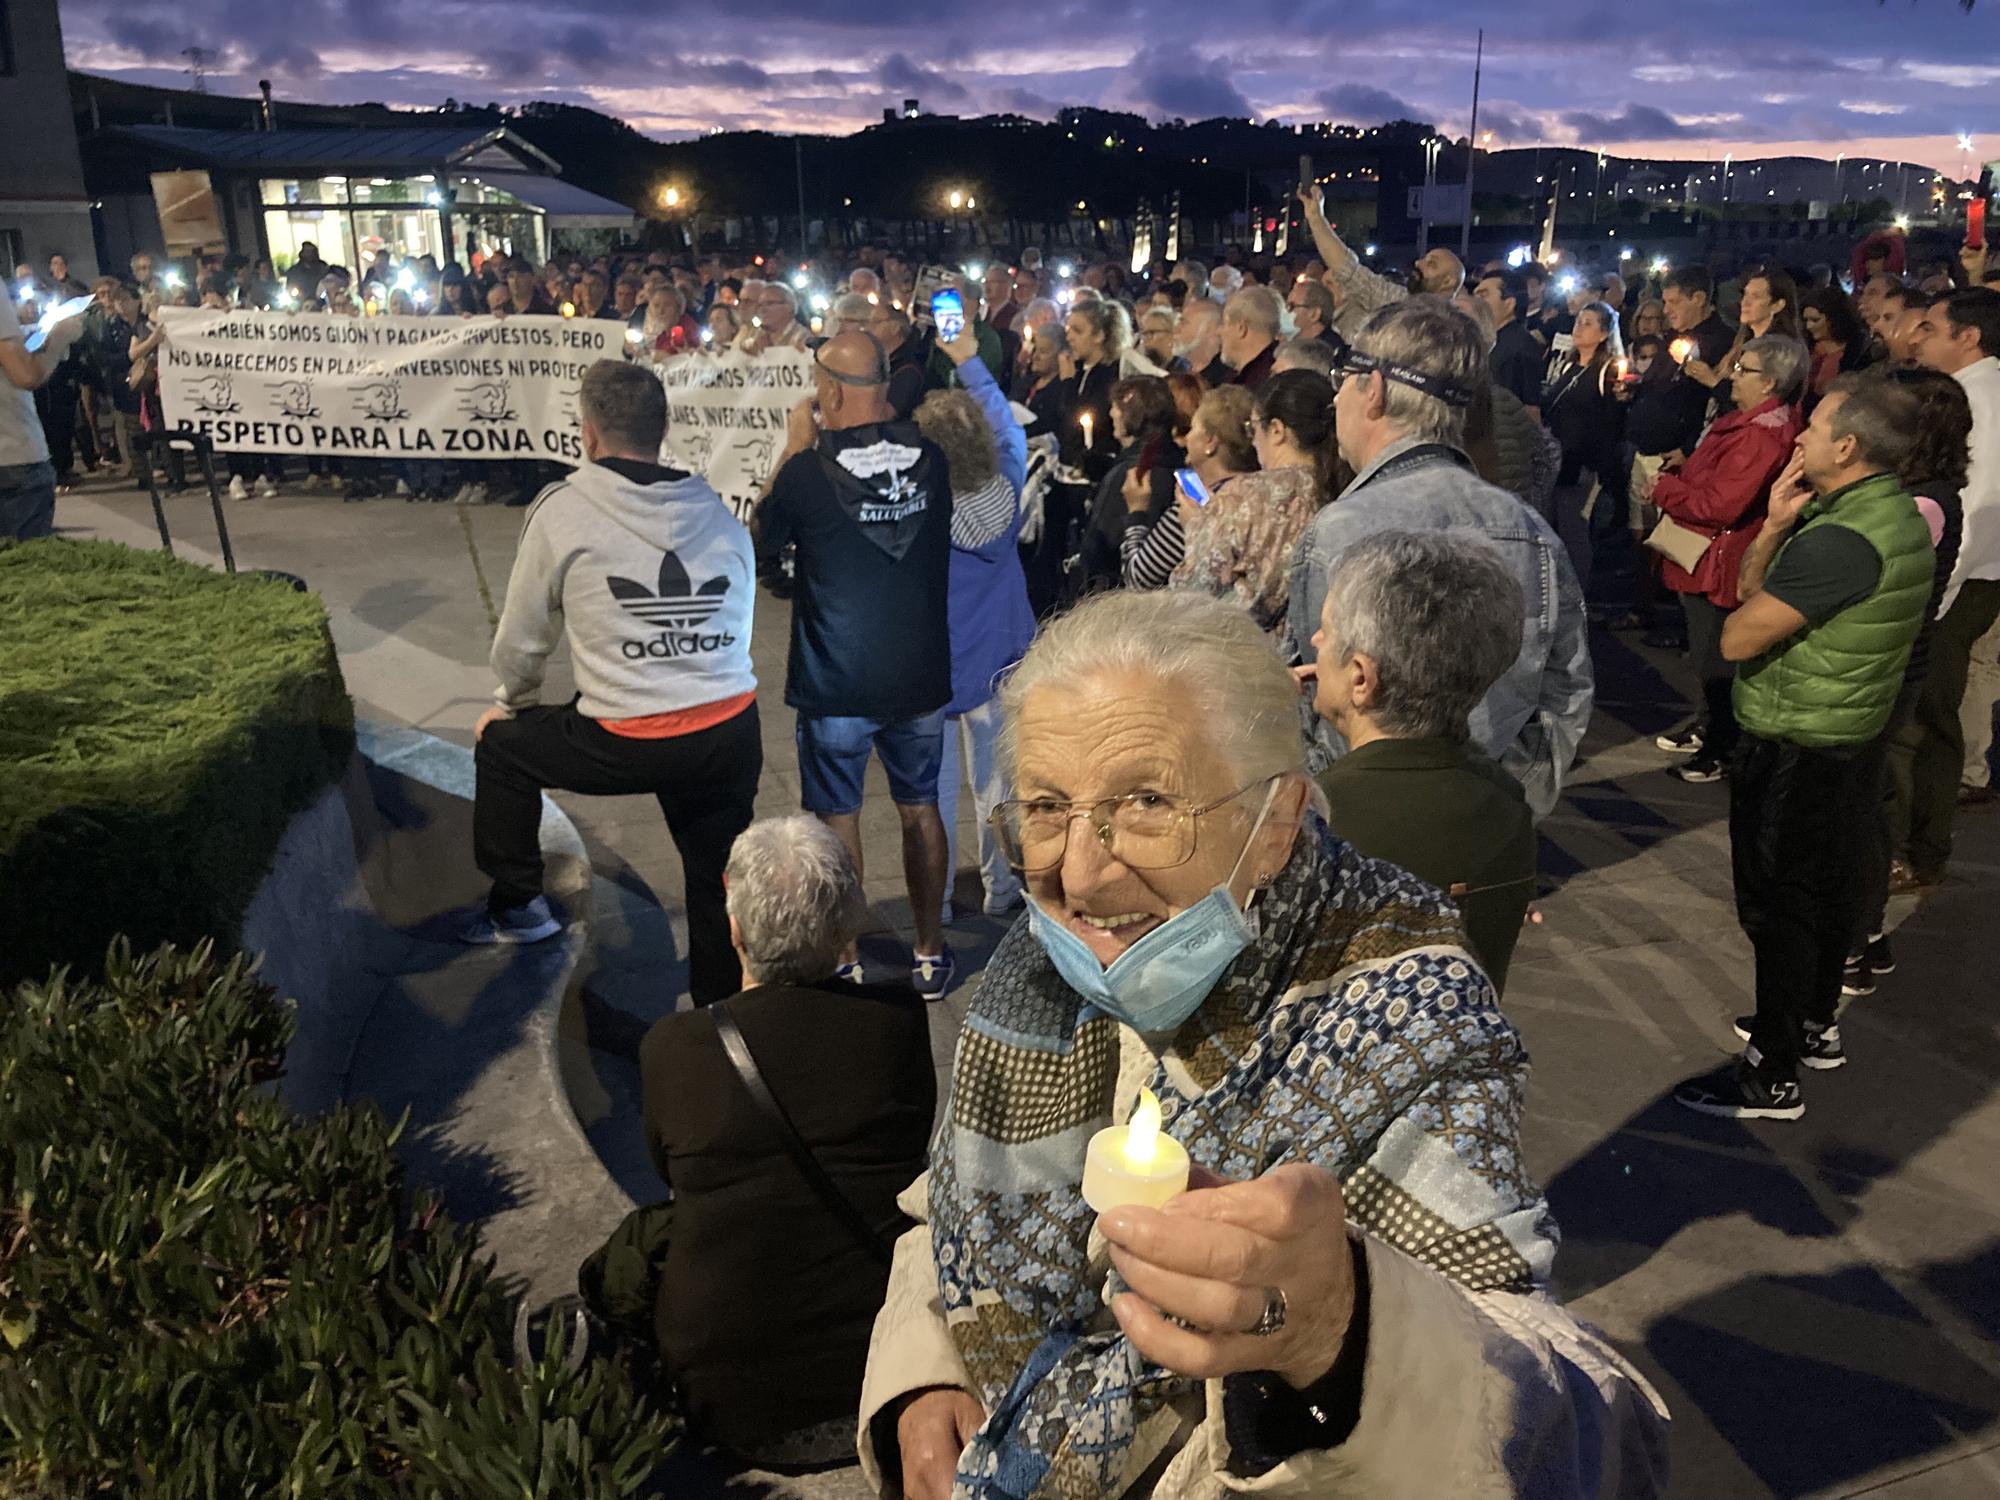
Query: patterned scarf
x,y
1355,1033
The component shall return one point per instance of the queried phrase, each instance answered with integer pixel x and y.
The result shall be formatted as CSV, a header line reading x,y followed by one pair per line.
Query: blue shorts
x,y
833,760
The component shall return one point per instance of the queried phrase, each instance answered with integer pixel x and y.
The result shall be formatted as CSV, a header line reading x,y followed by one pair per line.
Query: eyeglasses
x,y
1740,368
1141,830
1353,362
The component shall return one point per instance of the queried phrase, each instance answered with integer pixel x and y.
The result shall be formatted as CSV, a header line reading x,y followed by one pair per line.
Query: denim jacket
x,y
1534,717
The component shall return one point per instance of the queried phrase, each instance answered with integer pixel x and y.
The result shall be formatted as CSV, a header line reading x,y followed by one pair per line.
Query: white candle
x,y
1135,1162
1088,422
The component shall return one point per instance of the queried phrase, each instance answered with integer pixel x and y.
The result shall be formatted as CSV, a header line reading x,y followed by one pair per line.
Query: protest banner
x,y
726,416
382,387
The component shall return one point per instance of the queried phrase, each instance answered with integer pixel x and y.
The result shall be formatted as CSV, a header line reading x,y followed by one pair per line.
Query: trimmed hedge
x,y
202,1295
160,724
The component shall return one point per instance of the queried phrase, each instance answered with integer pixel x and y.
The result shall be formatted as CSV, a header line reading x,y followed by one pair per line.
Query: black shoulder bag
x,y
815,1175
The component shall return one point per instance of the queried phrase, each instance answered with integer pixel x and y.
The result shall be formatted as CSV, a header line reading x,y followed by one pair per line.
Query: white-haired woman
x,y
763,1306
1718,497
991,621
1330,1058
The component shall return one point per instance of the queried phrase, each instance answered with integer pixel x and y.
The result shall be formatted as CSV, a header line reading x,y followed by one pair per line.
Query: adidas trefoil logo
x,y
677,605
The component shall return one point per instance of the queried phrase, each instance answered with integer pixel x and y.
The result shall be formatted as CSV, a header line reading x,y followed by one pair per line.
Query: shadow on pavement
x,y
1810,1382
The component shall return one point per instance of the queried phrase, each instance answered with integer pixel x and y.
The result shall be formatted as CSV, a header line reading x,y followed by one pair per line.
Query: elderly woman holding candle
x,y
1336,1069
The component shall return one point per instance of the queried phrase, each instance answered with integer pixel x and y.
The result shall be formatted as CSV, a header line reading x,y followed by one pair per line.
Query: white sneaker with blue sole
x,y
533,923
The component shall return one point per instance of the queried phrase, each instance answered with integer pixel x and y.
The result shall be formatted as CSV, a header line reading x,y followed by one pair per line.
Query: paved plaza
x,y
1819,1303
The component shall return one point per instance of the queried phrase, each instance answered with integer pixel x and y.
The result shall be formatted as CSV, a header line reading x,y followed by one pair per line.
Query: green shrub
x,y
204,1295
160,724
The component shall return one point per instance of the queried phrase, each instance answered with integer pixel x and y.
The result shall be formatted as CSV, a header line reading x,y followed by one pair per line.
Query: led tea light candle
x,y
1088,421
1134,1162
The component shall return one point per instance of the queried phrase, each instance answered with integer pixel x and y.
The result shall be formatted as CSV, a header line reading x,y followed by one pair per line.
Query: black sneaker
x,y
1680,741
1855,980
1822,1050
1739,1090
1880,959
931,974
1700,769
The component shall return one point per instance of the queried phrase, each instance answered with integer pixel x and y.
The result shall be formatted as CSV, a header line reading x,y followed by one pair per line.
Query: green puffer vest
x,y
1835,683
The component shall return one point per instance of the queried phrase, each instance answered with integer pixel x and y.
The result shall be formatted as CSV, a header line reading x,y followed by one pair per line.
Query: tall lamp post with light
x,y
678,201
962,204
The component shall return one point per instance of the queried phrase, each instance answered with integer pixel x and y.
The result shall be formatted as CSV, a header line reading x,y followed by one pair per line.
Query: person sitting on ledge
x,y
1351,1299
1416,627
765,1294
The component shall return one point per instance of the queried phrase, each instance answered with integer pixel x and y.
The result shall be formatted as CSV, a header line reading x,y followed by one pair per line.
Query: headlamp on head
x,y
1353,362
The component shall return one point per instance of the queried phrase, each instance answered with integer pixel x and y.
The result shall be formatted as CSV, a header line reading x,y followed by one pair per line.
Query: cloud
x,y
1166,81
1873,107
1637,122
1024,102
1509,127
730,73
1361,105
152,40
293,60
900,75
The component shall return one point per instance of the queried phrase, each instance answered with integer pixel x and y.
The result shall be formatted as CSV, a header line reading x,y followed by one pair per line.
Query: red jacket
x,y
1721,492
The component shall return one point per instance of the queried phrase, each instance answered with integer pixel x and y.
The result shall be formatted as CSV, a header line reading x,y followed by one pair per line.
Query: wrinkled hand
x,y
1790,494
492,716
1208,1257
1673,459
1312,201
756,341
1700,369
1137,491
801,426
1306,675
1066,365
962,348
932,1431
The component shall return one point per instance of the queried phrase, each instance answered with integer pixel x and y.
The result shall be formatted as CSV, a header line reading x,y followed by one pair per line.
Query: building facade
x,y
44,209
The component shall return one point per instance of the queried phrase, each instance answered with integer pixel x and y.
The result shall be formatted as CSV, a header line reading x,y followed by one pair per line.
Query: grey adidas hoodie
x,y
655,581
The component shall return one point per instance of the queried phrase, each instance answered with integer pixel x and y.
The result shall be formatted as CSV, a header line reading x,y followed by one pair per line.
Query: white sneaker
x,y
238,490
402,489
266,487
475,494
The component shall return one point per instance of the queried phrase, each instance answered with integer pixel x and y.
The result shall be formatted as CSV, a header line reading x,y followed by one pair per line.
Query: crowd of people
x,y
1266,573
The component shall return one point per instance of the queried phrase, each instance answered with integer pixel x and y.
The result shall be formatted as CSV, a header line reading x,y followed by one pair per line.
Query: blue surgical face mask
x,y
1161,980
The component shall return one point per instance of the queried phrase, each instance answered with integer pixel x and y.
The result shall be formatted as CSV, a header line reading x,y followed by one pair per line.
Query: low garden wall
x,y
160,725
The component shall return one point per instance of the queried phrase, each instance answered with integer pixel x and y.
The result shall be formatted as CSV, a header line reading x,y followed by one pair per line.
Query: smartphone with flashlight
x,y
62,312
948,312
1305,174
1189,484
